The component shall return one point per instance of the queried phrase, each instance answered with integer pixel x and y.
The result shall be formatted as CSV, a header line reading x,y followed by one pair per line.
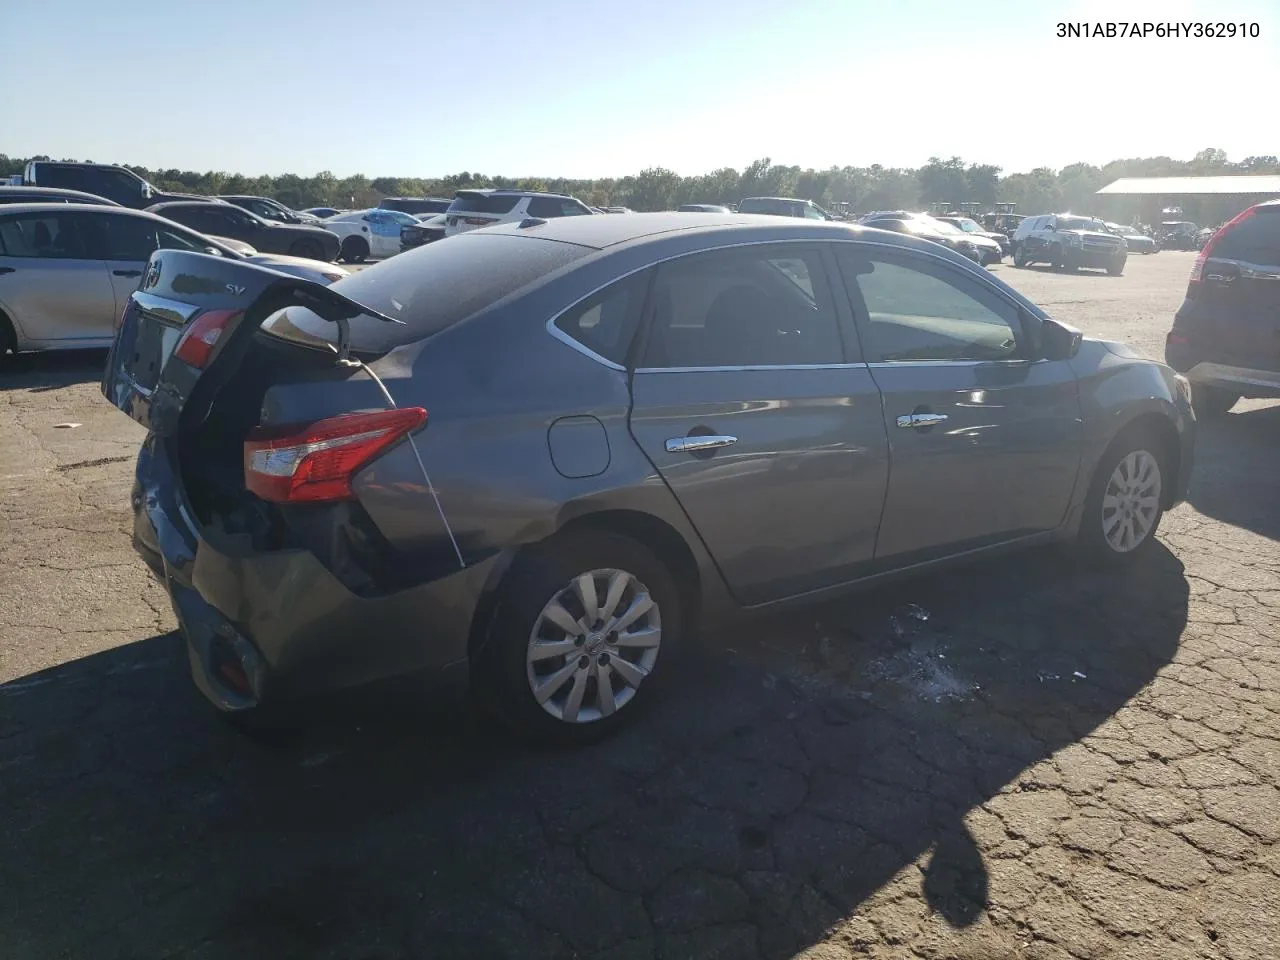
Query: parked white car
x,y
67,269
472,209
368,233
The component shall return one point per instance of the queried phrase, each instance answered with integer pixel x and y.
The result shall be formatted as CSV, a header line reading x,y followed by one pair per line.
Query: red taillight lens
x,y
316,463
1197,270
1175,339
201,337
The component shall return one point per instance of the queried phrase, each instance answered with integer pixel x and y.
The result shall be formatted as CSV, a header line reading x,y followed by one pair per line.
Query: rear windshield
x,y
1255,240
484,203
430,288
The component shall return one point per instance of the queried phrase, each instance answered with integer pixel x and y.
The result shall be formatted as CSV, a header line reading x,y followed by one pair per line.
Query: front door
x,y
750,404
51,285
984,438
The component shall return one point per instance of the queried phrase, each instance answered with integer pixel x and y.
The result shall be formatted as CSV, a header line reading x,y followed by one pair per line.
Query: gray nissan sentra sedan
x,y
541,455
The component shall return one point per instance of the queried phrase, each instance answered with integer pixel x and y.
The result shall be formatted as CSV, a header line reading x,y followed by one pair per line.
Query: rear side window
x,y
496,203
605,322
431,289
45,236
555,207
1254,240
758,306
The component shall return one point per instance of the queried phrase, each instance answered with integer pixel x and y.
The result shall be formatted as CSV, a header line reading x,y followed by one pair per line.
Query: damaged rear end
x,y
247,498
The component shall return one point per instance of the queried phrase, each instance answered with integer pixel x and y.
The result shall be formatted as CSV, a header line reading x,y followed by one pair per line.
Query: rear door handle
x,y
698,444
127,273
918,421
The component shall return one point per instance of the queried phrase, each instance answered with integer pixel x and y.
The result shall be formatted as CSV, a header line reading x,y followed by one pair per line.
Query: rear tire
x,y
1125,502
355,250
1211,403
307,249
630,663
8,339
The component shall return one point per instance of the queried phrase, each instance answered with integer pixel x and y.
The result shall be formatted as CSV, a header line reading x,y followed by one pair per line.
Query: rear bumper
x,y
264,626
1246,381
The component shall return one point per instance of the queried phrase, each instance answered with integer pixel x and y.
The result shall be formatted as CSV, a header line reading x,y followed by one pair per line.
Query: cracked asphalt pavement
x,y
1017,759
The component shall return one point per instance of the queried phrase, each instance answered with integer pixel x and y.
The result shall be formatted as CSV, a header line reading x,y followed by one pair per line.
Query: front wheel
x,y
1019,257
1116,267
308,250
1123,508
585,628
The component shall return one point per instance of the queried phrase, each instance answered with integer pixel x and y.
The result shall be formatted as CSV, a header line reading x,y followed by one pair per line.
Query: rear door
x,y
52,286
384,231
1240,284
752,405
984,438
126,242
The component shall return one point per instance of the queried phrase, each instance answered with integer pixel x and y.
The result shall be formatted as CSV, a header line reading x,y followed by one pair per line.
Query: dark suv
x,y
1226,334
102,180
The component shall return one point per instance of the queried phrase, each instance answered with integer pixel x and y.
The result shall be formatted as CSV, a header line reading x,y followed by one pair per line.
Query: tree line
x,y
864,189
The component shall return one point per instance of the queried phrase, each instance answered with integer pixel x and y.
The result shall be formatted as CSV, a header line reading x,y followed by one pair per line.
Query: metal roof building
x,y
1193,186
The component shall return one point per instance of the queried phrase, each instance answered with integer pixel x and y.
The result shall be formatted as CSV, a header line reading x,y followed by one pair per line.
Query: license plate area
x,y
154,342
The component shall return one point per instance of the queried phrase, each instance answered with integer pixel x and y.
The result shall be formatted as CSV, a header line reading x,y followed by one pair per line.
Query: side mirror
x,y
1058,340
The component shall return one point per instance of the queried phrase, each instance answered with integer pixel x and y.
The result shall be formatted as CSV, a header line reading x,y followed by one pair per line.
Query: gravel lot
x,y
1056,763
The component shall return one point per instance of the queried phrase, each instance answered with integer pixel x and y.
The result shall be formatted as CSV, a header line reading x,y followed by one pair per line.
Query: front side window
x,y
127,238
766,305
44,236
813,213
606,321
914,309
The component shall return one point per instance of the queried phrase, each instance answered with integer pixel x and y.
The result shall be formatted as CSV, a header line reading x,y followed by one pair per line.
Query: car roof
x,y
498,191
602,232
15,190
46,206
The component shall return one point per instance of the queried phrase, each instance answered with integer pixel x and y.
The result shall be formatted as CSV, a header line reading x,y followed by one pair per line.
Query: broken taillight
x,y
316,463
201,336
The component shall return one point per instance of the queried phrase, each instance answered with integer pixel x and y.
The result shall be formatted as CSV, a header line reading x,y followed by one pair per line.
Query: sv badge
x,y
235,290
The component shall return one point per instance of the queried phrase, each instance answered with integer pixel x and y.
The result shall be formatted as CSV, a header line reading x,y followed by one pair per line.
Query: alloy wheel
x,y
592,646
1131,501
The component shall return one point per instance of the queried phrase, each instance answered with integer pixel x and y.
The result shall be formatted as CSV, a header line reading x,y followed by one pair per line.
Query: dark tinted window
x,y
767,305
433,288
414,205
910,308
497,203
122,237
1253,240
606,322
117,185
216,218
765,205
47,236
556,207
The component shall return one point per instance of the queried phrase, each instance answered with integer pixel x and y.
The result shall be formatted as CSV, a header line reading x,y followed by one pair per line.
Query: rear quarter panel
x,y
485,446
1116,388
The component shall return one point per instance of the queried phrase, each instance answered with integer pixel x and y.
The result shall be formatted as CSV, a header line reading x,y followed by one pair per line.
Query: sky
x,y
426,88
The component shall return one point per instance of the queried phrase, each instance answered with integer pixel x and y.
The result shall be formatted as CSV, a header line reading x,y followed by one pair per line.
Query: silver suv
x,y
1067,242
471,209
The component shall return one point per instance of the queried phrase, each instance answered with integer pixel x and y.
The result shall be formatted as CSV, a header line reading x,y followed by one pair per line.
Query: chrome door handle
x,y
915,421
698,444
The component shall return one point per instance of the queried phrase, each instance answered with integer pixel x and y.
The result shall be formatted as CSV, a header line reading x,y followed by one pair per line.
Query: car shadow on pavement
x,y
1237,463
51,370
793,773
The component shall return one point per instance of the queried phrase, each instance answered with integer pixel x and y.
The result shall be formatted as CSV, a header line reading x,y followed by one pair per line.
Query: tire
x,y
1211,403
1056,259
1100,540
354,250
8,339
1116,267
507,676
1019,257
308,249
